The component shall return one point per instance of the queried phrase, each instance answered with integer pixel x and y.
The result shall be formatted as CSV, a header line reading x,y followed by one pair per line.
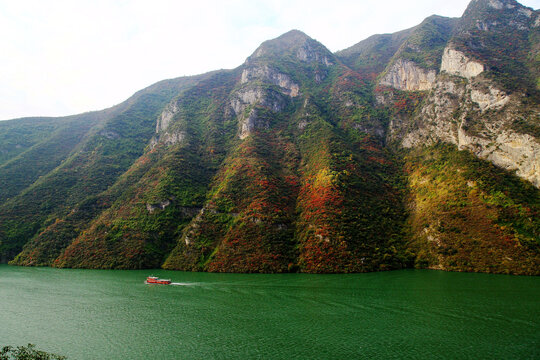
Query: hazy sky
x,y
66,57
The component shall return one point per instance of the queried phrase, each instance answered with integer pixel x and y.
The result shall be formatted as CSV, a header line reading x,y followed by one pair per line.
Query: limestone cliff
x,y
476,116
262,87
456,63
165,134
303,160
406,75
468,104
245,100
166,116
266,74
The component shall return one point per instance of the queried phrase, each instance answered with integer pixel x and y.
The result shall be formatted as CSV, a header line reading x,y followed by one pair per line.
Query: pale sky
x,y
67,57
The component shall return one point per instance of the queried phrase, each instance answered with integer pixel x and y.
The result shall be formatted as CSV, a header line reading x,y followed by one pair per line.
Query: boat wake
x,y
181,284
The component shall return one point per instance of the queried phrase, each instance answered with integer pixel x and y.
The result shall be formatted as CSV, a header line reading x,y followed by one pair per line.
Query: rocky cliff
x,y
406,75
414,149
468,106
456,63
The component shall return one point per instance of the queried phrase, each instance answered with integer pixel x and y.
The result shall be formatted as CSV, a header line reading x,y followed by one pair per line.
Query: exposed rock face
x,y
496,4
446,117
251,123
173,138
297,44
257,95
164,134
377,131
187,212
456,63
193,226
520,16
494,99
501,4
308,54
166,116
271,76
245,97
161,205
406,75
255,92
106,133
476,114
510,151
264,87
527,12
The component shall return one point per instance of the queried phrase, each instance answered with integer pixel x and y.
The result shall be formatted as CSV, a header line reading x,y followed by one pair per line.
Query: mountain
x,y
422,44
414,149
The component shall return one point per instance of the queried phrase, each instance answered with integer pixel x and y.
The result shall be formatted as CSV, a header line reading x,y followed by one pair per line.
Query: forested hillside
x,y
413,149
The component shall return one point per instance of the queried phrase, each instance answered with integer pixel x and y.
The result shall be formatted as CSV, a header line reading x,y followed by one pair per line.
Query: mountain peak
x,y
503,16
416,155
283,43
478,7
294,43
294,36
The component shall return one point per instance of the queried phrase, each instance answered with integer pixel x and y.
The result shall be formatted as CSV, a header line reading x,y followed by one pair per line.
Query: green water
x,y
98,314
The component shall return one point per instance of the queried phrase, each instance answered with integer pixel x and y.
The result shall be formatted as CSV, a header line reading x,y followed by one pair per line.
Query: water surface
x,y
413,314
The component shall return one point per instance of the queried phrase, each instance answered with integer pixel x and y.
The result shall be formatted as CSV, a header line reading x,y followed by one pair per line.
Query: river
x,y
410,314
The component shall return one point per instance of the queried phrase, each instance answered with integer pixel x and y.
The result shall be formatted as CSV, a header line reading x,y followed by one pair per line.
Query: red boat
x,y
155,280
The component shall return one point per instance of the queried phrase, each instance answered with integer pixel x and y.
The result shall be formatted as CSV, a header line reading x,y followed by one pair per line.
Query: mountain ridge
x,y
304,160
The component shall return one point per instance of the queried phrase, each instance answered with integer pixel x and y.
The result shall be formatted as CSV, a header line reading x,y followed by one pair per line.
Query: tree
x,y
28,352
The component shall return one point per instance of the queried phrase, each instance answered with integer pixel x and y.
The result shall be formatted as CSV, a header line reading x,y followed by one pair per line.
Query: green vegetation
x,y
101,157
426,43
28,352
303,198
45,154
316,184
470,215
138,230
17,136
371,55
422,44
351,214
246,225
500,39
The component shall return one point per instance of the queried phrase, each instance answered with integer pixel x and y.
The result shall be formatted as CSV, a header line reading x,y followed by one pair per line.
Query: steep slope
x,y
468,215
419,48
284,195
42,148
414,66
226,156
500,34
170,183
461,220
105,152
403,150
470,105
370,56
19,135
